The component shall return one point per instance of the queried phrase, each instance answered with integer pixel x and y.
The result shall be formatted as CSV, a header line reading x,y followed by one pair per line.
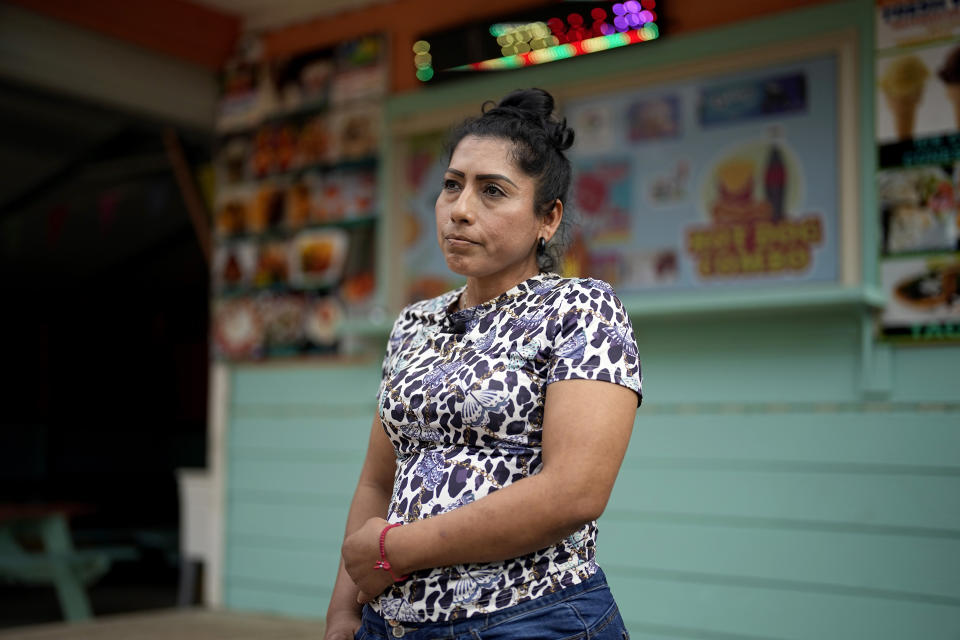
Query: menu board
x,y
918,142
716,182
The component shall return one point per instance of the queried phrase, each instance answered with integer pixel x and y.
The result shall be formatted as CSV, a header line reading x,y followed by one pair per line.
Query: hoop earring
x,y
541,246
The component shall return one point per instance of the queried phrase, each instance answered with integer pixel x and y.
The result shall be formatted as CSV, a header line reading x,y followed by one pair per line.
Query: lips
x,y
459,238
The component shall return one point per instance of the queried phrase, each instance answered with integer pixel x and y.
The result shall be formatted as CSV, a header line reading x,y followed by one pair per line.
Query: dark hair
x,y
525,118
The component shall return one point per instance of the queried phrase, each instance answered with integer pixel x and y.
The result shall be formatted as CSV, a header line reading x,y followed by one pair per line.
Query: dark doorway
x,y
105,299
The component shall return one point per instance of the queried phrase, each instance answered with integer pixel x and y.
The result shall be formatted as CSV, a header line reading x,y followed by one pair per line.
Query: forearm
x,y
369,501
528,515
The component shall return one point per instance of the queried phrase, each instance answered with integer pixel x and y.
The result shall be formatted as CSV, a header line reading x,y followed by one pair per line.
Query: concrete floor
x,y
182,624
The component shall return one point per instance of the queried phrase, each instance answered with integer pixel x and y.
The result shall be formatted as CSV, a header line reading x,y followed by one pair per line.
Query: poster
x,y
427,274
923,297
902,23
918,92
918,185
719,182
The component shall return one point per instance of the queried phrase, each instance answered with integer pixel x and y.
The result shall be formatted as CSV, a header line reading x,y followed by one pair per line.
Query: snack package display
x,y
273,264
299,202
318,256
357,132
305,81
231,213
322,321
239,105
234,264
267,210
354,193
237,328
295,210
283,322
361,74
274,148
314,143
231,216
233,159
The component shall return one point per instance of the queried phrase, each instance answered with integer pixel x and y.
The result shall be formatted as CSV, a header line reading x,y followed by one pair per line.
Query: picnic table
x,y
36,548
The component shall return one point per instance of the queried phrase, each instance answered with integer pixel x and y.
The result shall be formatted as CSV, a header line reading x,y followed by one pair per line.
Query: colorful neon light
x,y
422,60
649,31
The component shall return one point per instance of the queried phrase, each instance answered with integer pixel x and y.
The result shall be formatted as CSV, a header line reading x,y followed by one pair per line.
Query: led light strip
x,y
649,31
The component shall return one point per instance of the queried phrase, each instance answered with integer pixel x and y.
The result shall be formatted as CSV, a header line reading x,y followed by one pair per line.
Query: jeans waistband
x,y
454,627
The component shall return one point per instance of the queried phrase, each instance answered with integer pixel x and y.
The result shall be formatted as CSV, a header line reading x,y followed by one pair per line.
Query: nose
x,y
462,210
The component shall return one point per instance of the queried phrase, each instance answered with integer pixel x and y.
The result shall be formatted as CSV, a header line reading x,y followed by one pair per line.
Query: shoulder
x,y
591,287
588,293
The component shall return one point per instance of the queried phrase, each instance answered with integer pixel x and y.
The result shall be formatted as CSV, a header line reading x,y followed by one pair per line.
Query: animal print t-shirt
x,y
462,402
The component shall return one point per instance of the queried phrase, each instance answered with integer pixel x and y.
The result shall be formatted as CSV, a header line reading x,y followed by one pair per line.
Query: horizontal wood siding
x,y
767,511
296,440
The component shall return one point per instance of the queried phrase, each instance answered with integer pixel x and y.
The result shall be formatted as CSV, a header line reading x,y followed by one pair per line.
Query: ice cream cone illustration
x,y
902,85
950,74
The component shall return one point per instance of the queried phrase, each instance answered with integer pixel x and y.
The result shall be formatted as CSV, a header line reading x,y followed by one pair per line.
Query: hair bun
x,y
535,101
560,134
537,104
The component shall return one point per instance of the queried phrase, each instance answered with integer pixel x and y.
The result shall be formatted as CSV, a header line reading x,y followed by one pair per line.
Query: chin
x,y
465,267
459,266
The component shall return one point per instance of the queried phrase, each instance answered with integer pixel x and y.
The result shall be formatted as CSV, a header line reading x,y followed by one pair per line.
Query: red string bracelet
x,y
383,563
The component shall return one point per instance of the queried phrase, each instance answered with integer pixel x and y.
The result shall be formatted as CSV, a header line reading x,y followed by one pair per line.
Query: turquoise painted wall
x,y
766,494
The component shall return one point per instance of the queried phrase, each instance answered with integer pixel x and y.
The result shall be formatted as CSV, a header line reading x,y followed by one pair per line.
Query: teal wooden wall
x,y
760,496
765,494
296,439
763,498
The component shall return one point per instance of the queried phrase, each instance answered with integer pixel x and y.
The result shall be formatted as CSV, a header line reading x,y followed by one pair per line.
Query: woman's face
x,y
486,224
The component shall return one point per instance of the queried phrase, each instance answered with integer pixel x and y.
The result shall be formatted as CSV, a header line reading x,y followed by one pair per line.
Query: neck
x,y
482,289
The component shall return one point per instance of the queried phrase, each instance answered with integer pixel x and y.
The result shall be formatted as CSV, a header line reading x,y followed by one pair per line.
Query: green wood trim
x,y
714,409
747,301
750,301
876,362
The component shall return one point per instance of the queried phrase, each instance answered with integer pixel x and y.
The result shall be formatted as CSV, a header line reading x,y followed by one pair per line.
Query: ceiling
x,y
271,14
87,191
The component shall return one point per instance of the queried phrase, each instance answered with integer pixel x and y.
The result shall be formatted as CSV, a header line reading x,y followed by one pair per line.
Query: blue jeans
x,y
582,611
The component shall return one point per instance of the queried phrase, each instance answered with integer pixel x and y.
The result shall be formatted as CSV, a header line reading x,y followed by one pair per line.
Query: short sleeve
x,y
592,338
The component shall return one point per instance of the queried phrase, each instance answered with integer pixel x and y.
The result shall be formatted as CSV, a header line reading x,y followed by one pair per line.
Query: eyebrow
x,y
484,176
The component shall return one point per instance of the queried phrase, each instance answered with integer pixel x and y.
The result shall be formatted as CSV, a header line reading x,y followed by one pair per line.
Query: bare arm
x,y
370,500
586,429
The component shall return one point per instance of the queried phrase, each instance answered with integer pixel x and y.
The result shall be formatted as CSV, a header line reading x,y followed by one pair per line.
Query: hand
x,y
342,628
360,551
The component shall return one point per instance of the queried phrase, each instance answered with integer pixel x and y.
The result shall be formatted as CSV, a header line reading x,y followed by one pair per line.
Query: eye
x,y
450,185
491,189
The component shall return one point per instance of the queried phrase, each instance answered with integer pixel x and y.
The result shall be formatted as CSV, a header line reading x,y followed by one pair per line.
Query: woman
x,y
499,434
